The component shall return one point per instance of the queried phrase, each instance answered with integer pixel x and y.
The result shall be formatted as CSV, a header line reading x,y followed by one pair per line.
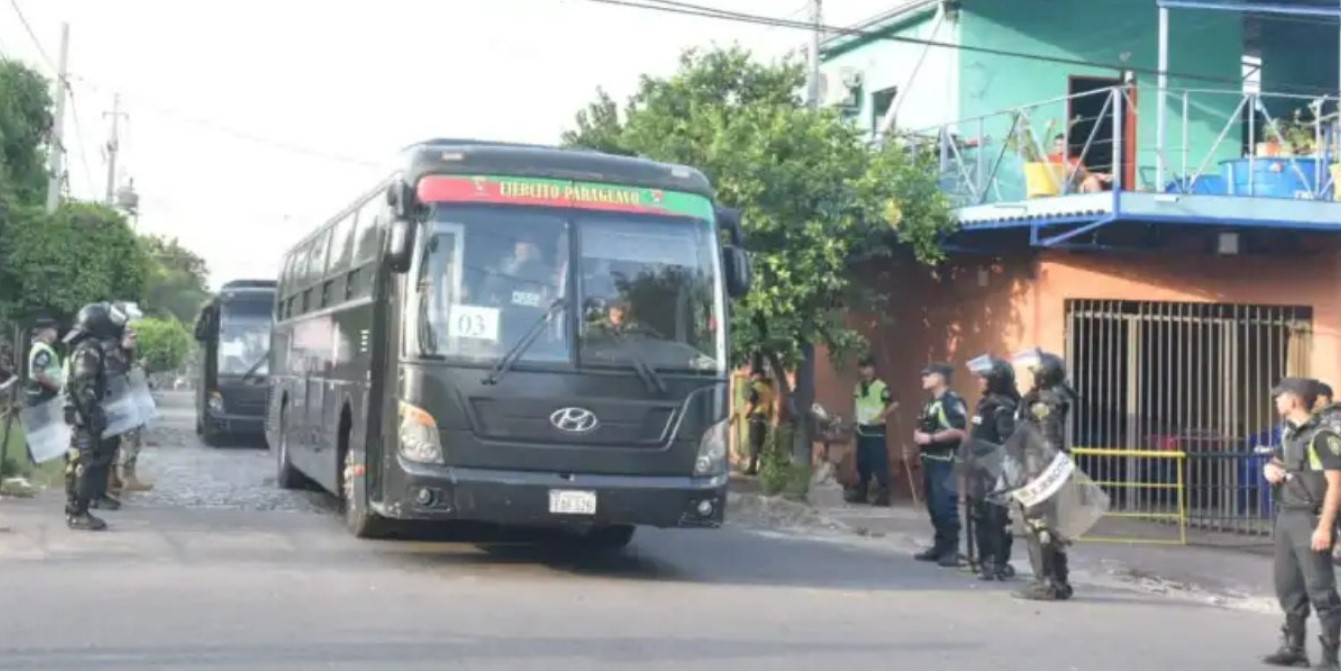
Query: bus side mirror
x,y
729,220
739,271
400,247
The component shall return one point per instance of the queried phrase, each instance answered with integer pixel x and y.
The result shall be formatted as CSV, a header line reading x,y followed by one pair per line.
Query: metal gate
x,y
1174,397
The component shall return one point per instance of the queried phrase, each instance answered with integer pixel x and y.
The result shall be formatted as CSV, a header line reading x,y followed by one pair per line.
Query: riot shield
x,y
120,407
1047,485
978,467
45,429
144,399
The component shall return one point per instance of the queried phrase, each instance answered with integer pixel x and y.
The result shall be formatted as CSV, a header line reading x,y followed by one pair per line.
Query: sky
x,y
246,124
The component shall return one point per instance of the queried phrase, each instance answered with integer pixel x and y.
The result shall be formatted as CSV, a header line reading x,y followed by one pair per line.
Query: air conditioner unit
x,y
841,88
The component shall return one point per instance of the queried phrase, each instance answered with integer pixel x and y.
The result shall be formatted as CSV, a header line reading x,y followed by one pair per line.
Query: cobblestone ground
x,y
188,473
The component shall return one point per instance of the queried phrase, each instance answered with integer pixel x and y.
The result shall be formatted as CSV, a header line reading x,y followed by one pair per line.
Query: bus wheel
x,y
286,476
360,521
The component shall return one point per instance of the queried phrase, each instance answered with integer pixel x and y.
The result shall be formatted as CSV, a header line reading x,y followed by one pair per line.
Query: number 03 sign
x,y
473,321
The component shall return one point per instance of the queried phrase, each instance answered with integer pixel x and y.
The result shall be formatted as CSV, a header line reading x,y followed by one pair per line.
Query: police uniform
x,y
946,411
1046,406
993,422
871,399
89,459
761,413
1305,577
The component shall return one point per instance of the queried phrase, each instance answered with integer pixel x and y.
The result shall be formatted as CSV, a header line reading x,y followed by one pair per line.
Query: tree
x,y
816,197
177,282
163,343
25,125
55,264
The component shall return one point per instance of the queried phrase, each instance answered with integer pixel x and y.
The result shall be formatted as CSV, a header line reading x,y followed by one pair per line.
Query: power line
x,y
79,137
38,43
237,133
690,9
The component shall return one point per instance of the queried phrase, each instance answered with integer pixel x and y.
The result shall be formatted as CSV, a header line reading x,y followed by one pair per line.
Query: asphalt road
x,y
216,569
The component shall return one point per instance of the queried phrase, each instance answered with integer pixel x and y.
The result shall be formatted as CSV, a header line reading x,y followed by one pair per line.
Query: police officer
x,y
993,422
85,390
1327,408
122,477
873,404
44,365
940,430
1046,406
1308,475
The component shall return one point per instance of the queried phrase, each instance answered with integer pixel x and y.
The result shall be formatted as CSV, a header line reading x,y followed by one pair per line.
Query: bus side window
x,y
351,283
365,234
326,293
307,300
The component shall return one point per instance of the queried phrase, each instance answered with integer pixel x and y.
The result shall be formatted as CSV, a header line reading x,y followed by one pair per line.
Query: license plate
x,y
572,502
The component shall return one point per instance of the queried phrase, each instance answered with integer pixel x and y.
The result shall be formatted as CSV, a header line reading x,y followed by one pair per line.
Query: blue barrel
x,y
1275,177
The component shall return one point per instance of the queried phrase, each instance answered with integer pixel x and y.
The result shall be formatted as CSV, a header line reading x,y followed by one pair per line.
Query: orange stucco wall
x,y
971,307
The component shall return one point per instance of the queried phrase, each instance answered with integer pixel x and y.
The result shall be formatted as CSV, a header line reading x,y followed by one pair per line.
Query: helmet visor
x,y
116,315
1029,358
981,365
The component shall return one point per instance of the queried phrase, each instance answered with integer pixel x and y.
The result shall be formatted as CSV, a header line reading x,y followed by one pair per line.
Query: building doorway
x,y
1089,110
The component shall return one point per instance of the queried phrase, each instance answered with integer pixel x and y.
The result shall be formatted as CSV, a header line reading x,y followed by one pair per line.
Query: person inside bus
x,y
1083,180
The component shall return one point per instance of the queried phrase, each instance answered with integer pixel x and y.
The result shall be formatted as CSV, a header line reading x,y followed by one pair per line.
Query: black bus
x,y
233,330
517,335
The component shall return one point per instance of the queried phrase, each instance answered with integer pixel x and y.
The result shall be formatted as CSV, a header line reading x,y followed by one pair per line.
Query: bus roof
x,y
448,156
249,284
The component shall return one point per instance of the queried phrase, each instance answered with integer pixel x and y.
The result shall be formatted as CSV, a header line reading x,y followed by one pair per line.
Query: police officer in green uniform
x,y
873,403
940,430
44,365
1308,478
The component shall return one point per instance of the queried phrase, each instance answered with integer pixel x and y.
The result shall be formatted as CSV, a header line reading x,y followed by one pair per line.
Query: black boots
x,y
78,518
1291,652
1331,641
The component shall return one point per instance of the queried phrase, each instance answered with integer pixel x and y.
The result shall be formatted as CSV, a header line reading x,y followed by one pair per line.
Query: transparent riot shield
x,y
45,430
119,407
144,399
978,467
1047,485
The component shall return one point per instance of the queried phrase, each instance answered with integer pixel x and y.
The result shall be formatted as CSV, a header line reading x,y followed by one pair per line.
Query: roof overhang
x,y
900,12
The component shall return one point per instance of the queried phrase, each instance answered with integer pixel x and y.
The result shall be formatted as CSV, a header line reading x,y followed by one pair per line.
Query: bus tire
x,y
360,521
286,476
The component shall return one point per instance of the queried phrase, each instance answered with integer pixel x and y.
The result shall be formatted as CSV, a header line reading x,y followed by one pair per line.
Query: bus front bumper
x,y
235,425
524,498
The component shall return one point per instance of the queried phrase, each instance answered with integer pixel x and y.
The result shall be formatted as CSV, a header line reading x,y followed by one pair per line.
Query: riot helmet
x,y
1048,369
100,321
998,374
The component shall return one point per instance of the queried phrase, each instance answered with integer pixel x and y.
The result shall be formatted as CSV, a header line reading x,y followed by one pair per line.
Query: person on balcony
x,y
1081,179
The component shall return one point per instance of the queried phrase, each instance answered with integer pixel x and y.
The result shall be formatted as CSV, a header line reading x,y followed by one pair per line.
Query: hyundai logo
x,y
574,420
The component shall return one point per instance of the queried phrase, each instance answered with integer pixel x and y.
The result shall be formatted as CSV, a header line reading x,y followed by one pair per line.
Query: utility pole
x,y
113,145
813,81
57,159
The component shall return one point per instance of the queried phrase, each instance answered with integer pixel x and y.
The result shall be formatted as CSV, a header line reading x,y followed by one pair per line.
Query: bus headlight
x,y
711,459
419,439
216,402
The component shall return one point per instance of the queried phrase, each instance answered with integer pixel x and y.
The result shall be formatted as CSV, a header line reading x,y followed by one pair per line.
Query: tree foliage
x,y
816,197
177,282
163,343
55,264
25,125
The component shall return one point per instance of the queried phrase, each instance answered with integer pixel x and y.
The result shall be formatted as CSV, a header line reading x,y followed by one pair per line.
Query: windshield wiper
x,y
640,365
505,364
428,340
254,367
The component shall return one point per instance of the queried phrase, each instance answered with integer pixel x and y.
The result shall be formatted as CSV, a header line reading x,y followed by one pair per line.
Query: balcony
x,y
1223,158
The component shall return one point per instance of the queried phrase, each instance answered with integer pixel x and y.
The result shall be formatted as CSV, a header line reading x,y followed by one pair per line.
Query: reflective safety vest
x,y
52,369
871,405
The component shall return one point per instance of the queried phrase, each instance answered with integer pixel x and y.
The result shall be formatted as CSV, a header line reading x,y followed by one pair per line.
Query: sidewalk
x,y
1216,568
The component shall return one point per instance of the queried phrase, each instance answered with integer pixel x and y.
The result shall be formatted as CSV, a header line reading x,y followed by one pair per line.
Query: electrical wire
x,y
691,9
36,42
79,138
234,132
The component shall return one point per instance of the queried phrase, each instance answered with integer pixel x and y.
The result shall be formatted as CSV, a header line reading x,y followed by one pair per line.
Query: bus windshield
x,y
640,286
244,341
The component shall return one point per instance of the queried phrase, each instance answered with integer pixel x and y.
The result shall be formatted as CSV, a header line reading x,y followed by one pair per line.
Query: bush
x,y
778,475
